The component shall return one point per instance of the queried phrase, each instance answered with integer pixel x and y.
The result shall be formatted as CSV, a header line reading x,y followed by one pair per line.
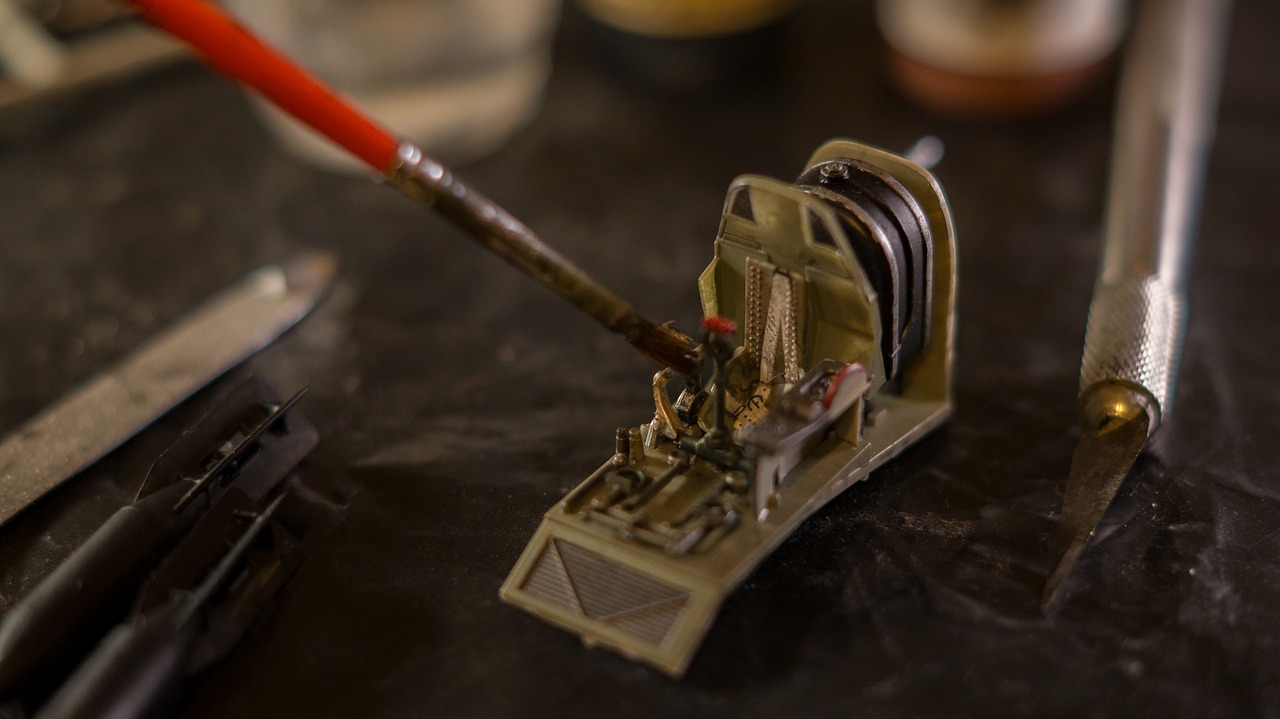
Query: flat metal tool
x,y
94,419
1137,320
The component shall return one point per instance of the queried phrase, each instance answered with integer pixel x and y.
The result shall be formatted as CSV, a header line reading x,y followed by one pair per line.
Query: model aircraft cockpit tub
x,y
839,291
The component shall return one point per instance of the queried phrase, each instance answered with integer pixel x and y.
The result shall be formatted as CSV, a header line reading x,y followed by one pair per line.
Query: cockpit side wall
x,y
928,378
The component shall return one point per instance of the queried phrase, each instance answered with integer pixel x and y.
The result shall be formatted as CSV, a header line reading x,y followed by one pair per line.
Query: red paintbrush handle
x,y
237,53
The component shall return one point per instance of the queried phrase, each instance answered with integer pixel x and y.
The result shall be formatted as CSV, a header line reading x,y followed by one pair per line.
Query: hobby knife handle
x,y
136,671
69,611
1164,125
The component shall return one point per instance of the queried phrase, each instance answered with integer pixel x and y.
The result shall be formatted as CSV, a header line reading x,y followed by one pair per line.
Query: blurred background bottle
x,y
994,59
688,46
458,77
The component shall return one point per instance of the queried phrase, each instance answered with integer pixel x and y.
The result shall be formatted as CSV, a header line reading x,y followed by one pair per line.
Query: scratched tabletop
x,y
457,401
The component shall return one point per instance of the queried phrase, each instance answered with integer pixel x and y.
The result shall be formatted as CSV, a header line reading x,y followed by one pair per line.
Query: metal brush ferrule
x,y
425,179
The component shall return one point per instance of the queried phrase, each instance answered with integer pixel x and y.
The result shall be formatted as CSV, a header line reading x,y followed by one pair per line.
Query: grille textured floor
x,y
584,582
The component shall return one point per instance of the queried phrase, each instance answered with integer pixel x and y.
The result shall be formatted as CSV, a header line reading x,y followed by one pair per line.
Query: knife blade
x,y
1137,318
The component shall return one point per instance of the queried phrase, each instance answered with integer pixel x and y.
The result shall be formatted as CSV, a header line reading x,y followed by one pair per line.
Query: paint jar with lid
x,y
999,58
688,46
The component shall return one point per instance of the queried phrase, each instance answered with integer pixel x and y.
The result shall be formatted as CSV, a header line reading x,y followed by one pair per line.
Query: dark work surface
x,y
457,401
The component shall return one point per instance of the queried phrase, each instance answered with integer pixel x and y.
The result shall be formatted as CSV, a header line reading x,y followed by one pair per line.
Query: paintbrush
x,y
234,51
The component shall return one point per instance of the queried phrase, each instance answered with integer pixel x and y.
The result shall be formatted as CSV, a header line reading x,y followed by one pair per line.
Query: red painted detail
x,y
834,387
719,325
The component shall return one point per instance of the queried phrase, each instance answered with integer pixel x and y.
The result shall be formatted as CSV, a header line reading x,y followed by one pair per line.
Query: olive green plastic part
x,y
841,319
633,579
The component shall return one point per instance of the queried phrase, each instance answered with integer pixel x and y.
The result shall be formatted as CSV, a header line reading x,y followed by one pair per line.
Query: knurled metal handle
x,y
1135,335
1164,125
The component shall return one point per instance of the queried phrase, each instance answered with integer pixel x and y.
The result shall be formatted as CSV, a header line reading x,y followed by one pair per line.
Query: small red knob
x,y
719,325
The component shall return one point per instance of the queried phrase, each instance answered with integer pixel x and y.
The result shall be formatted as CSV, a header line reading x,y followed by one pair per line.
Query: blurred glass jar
x,y
457,77
999,58
690,46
